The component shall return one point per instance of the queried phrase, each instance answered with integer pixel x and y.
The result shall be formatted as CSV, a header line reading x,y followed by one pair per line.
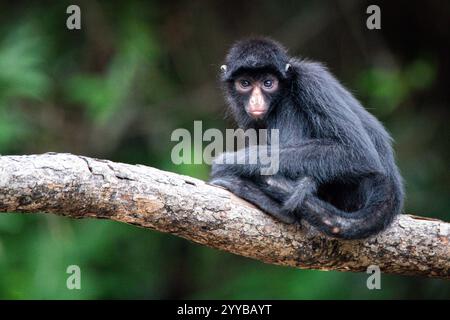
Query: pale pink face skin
x,y
257,105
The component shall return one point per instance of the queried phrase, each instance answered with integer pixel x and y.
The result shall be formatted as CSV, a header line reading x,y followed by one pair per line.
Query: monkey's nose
x,y
257,101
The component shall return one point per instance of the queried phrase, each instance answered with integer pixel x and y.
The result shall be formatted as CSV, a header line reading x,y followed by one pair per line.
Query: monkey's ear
x,y
223,68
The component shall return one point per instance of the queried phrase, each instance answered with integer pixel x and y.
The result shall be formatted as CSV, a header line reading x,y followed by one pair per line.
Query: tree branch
x,y
82,187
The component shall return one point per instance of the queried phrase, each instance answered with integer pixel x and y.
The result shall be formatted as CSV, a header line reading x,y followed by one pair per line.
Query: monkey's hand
x,y
221,182
303,187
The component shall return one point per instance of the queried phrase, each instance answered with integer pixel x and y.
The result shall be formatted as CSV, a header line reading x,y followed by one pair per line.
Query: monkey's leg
x,y
250,191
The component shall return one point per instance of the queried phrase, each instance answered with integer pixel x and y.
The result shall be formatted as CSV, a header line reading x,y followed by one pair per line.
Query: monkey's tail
x,y
382,204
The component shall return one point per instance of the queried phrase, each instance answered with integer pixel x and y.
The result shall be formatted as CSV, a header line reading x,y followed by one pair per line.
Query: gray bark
x,y
81,187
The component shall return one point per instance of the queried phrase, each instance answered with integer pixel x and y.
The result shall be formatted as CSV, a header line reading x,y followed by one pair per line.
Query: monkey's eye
x,y
244,83
268,83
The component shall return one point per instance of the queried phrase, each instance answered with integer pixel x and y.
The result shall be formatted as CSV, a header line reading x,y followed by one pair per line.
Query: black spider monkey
x,y
336,165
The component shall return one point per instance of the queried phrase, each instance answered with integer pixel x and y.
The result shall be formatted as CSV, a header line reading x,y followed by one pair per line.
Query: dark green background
x,y
138,70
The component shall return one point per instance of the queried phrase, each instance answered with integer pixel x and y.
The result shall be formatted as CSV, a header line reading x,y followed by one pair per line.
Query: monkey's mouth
x,y
257,114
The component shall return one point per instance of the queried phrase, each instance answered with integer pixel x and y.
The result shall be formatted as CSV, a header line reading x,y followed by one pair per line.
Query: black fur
x,y
337,168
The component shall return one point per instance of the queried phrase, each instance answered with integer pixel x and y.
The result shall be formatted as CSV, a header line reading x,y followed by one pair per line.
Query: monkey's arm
x,y
327,161
322,159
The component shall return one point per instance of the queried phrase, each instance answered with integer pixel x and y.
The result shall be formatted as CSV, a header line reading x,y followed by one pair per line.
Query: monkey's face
x,y
256,93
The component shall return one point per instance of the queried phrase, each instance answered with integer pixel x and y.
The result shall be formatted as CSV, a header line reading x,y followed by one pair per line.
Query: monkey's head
x,y
255,74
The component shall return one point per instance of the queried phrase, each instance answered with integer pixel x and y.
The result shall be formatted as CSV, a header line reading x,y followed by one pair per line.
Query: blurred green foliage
x,y
137,70
388,88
